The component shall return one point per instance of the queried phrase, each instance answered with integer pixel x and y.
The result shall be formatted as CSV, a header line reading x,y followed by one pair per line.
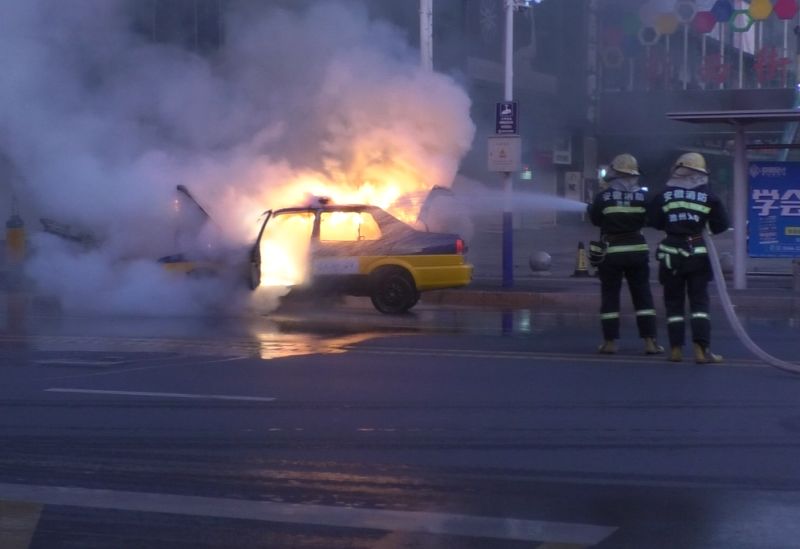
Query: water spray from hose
x,y
738,329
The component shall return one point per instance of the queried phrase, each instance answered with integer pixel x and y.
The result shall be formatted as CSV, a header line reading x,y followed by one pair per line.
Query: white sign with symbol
x,y
506,118
505,153
335,266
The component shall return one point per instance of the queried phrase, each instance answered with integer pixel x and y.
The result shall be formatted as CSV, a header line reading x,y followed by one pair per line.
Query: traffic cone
x,y
581,263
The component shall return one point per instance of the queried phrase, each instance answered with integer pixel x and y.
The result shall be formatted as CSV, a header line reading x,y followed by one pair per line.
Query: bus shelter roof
x,y
736,117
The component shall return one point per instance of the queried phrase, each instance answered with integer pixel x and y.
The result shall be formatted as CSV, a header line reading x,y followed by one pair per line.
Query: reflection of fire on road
x,y
272,345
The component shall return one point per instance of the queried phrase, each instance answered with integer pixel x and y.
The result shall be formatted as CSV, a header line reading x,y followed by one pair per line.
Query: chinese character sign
x,y
713,70
769,65
774,209
658,67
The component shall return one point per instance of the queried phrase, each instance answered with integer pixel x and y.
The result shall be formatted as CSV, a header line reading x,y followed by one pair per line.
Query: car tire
x,y
393,291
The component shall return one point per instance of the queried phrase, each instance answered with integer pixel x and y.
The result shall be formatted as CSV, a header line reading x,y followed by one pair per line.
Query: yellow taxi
x,y
356,250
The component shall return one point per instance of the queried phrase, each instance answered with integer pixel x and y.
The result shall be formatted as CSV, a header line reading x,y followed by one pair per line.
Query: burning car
x,y
321,248
355,250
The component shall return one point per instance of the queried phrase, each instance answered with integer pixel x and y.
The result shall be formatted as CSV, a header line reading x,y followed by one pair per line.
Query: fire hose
x,y
730,313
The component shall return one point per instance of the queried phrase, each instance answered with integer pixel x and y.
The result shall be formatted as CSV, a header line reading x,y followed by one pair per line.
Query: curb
x,y
509,299
582,301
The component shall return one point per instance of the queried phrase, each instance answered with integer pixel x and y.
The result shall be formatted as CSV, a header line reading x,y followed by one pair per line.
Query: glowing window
x,y
348,227
284,249
290,226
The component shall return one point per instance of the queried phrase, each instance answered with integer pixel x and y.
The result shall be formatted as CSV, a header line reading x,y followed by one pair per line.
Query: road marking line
x,y
77,362
157,395
18,522
523,355
320,515
191,362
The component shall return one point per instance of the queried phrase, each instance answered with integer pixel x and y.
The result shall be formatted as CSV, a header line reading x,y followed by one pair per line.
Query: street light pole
x,y
739,209
508,185
426,33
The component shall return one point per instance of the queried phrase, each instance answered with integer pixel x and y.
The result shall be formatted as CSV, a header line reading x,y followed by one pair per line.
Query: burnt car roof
x,y
331,208
382,216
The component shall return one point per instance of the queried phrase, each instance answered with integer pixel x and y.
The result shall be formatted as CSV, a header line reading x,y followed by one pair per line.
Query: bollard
x,y
581,263
540,261
796,275
15,240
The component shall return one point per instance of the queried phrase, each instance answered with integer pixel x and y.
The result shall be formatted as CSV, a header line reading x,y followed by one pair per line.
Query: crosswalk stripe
x,y
320,515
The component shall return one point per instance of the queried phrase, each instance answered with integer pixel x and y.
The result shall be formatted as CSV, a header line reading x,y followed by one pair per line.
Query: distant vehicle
x,y
356,250
191,264
85,238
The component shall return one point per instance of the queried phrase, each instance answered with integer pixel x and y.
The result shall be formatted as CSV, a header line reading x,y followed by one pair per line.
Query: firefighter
x,y
620,212
682,210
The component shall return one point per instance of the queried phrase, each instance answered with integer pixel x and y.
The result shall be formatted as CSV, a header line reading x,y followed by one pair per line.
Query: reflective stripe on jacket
x,y
671,255
620,214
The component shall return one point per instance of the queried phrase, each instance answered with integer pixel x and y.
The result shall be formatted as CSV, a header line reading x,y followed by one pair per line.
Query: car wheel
x,y
393,292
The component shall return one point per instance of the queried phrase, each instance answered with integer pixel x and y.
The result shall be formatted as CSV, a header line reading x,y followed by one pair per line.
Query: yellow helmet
x,y
693,161
625,163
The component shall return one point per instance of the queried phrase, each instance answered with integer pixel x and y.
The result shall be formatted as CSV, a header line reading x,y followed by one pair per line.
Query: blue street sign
x,y
774,209
506,118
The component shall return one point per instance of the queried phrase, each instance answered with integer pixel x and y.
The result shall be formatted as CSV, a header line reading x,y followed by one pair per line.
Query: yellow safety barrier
x,y
15,240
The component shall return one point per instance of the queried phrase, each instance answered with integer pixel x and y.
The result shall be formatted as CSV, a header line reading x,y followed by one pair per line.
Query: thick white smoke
x,y
101,124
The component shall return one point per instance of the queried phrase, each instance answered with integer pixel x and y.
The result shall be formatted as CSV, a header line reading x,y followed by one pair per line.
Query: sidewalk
x,y
769,281
583,295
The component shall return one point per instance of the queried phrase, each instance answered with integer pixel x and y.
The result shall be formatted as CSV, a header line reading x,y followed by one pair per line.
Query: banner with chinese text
x,y
774,209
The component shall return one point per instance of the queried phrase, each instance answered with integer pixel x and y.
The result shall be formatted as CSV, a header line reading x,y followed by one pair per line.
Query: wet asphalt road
x,y
345,428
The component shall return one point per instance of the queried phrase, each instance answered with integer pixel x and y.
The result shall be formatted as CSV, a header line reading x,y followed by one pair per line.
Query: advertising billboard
x,y
774,209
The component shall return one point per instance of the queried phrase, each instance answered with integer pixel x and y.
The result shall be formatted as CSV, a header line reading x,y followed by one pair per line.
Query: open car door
x,y
255,254
185,192
280,255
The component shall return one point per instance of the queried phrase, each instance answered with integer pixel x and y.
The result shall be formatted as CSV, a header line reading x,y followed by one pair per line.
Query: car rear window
x,y
348,227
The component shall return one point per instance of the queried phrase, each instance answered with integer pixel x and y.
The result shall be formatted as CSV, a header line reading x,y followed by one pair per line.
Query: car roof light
x,y
322,200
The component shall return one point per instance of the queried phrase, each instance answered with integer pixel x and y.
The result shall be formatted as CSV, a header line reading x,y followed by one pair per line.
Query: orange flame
x,y
285,246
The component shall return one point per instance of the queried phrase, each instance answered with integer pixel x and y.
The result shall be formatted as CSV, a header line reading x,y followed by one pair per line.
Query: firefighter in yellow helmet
x,y
683,210
622,253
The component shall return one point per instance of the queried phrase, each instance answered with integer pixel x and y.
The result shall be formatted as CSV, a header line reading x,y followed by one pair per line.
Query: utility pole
x,y
506,150
154,21
196,27
508,184
426,33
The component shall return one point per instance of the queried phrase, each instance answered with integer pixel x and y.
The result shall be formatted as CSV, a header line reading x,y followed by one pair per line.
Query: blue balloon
x,y
722,11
